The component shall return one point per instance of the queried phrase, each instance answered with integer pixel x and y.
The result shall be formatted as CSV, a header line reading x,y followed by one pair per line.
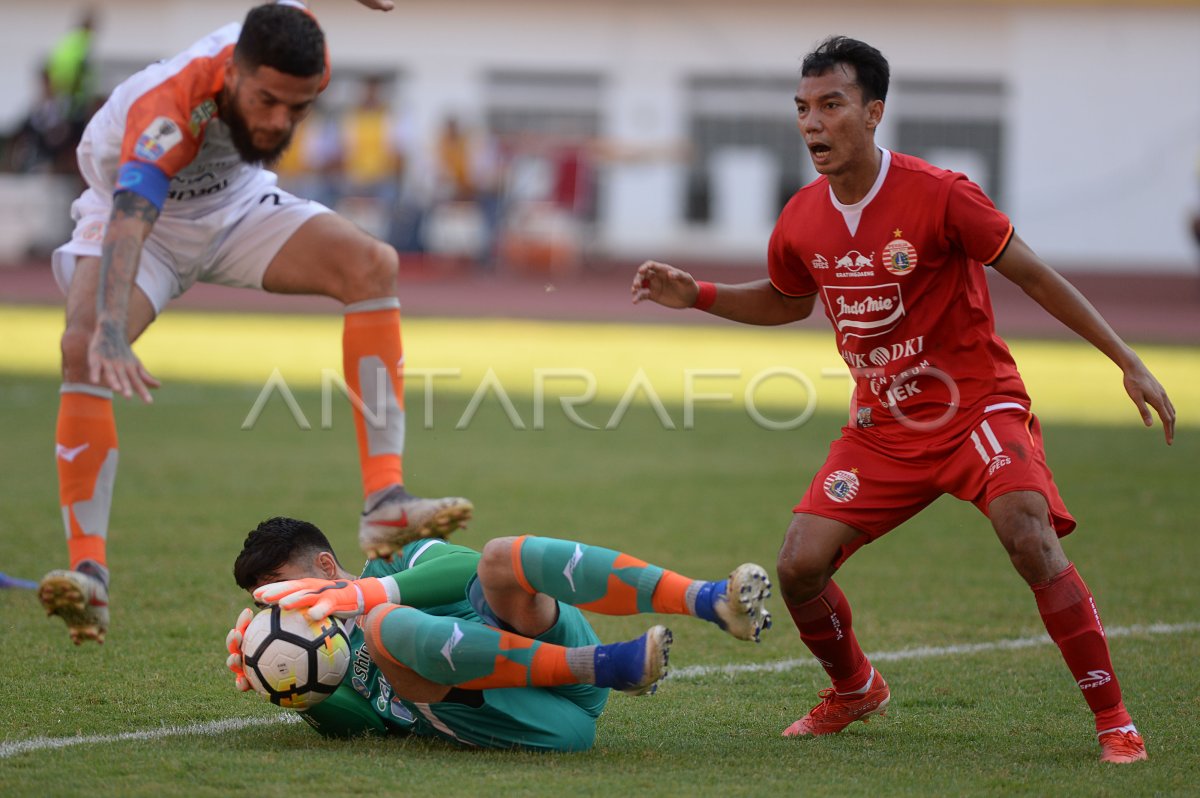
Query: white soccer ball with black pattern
x,y
294,662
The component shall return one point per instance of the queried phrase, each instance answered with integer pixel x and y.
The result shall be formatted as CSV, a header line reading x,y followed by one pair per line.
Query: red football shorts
x,y
875,487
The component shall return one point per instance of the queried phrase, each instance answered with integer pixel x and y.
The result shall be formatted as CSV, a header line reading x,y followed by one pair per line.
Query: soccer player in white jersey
x,y
178,192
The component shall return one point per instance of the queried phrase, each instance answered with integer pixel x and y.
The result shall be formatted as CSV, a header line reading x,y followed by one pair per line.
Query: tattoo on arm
x,y
132,217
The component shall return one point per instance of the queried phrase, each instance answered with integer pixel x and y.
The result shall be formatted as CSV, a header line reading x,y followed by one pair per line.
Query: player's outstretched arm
x,y
1062,300
756,302
111,361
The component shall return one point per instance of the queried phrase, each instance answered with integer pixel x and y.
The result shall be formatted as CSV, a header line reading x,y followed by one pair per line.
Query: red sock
x,y
824,624
1071,618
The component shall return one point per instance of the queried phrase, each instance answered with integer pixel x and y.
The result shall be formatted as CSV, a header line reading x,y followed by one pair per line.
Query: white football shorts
x,y
231,246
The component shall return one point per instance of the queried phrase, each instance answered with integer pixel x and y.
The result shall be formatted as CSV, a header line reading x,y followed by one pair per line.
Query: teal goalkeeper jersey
x,y
432,576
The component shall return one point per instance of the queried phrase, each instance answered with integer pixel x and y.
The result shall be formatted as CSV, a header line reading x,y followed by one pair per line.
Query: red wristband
x,y
706,296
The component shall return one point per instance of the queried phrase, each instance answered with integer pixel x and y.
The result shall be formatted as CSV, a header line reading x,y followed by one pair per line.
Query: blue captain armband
x,y
145,180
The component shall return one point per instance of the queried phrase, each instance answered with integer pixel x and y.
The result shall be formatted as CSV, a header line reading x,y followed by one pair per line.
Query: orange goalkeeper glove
x,y
233,644
320,598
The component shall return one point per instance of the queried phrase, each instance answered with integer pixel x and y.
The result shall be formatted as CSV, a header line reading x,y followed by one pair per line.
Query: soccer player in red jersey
x,y
178,192
895,249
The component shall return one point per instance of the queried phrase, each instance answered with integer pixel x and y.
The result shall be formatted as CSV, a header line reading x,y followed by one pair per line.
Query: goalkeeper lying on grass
x,y
490,649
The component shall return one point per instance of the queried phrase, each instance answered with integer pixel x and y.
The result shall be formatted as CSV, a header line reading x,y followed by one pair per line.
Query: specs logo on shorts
x,y
998,462
842,486
157,139
93,231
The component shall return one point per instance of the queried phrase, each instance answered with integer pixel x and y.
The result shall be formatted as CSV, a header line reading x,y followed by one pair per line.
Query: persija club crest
x,y
841,486
899,256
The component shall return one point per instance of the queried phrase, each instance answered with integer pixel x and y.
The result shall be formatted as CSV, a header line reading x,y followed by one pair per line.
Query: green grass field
x,y
999,720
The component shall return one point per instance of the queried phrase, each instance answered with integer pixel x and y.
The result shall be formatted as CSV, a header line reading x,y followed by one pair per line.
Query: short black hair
x,y
273,544
871,71
282,37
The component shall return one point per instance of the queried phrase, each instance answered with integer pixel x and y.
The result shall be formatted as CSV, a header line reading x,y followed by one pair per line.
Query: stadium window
x,y
751,115
956,124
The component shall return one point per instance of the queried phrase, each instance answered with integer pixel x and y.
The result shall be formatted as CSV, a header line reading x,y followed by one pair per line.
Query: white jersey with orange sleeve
x,y
158,134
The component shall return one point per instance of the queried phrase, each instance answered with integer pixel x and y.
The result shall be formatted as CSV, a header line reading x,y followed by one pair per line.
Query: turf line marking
x,y
12,748
928,652
210,728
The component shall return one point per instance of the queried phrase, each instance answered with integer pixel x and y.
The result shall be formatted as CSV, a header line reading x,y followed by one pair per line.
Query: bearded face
x,y
262,107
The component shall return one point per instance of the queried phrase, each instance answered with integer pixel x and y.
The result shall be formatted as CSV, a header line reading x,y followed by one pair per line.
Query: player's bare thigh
x,y
330,256
81,318
530,614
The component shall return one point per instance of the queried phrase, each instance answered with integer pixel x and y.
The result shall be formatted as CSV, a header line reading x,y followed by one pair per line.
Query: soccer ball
x,y
295,662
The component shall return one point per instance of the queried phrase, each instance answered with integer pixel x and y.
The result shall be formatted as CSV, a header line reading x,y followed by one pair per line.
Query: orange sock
x,y
671,592
600,580
373,361
544,666
86,452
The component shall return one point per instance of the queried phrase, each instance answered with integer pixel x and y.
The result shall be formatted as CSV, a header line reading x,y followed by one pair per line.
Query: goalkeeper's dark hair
x,y
273,544
285,38
871,70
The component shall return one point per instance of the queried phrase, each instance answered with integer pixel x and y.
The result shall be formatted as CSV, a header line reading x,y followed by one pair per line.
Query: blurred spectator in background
x,y
468,181
44,140
71,72
1196,205
373,161
311,167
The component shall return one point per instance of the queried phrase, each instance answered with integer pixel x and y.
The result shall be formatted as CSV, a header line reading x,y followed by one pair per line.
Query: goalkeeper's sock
x,y
1069,612
373,362
601,580
86,452
824,625
466,654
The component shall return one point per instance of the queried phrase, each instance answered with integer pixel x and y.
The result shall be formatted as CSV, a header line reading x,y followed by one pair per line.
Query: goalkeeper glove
x,y
233,644
321,598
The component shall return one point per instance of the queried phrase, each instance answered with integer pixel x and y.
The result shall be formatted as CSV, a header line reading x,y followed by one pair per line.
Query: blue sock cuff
x,y
707,596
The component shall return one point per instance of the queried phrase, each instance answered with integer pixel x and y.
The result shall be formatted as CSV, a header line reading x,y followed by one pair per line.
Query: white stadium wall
x,y
1097,105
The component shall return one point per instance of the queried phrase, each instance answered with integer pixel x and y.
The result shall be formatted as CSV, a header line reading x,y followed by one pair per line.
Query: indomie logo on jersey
x,y
864,311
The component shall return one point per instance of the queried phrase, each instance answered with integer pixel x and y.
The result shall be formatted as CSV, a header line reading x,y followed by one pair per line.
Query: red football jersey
x,y
901,277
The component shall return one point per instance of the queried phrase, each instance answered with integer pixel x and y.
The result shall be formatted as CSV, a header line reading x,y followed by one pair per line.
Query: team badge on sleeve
x,y
157,139
899,256
841,486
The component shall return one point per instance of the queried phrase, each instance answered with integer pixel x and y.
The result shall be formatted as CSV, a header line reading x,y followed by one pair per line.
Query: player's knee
x,y
800,578
1033,547
373,274
495,561
74,344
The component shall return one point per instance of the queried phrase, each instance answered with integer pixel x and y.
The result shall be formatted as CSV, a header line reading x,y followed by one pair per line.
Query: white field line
x,y
14,747
209,729
928,652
